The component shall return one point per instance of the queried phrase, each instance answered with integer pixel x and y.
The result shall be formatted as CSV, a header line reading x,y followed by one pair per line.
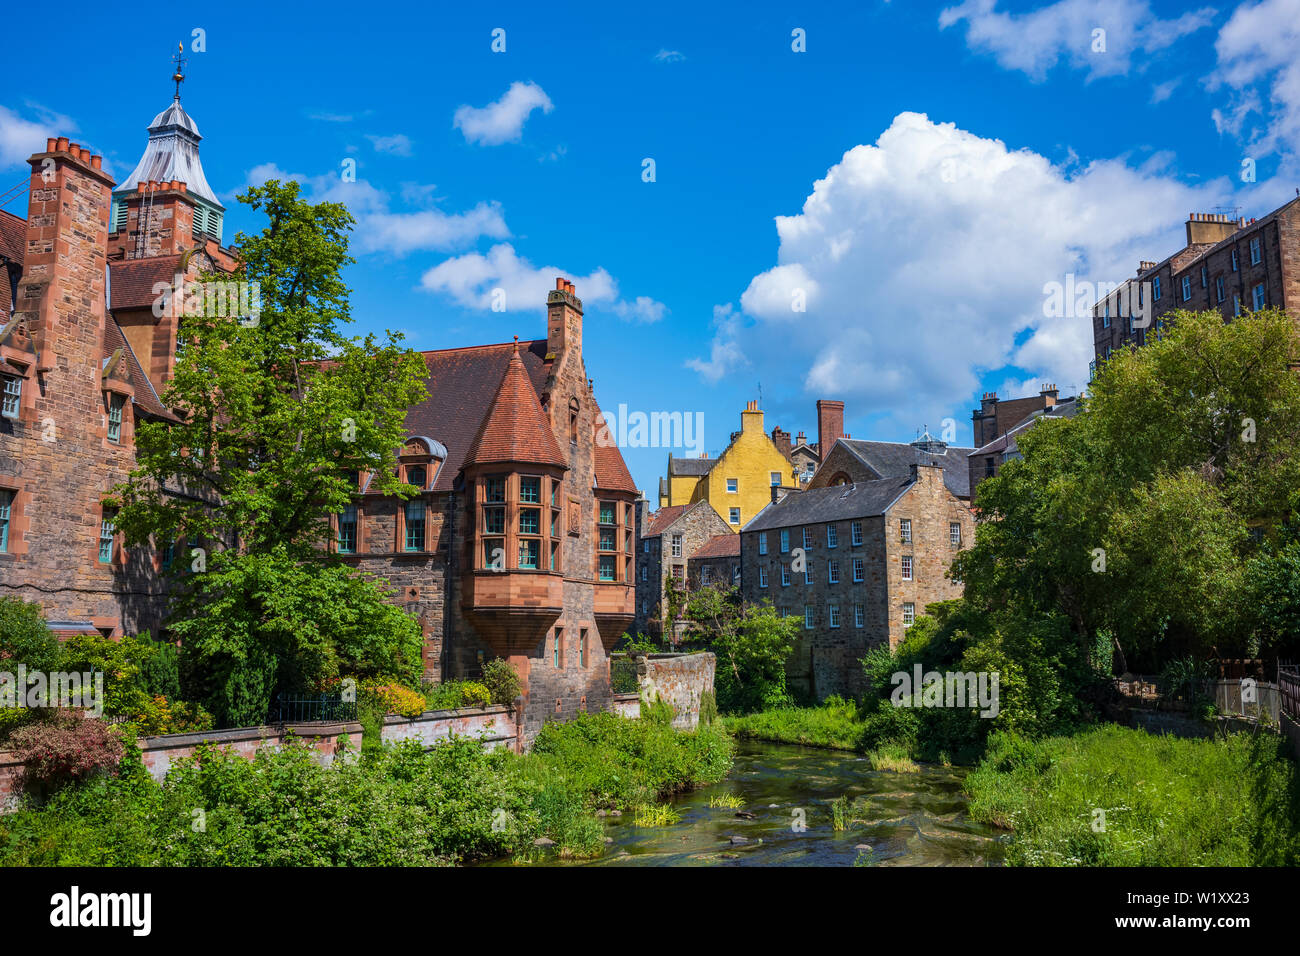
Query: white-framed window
x,y
776,478
677,546
706,574
762,542
954,532
833,572
857,570
733,515
785,576
1187,288
907,567
785,540
833,614
733,485
807,617
762,577
1155,288
832,536
859,619
905,530
855,531
12,396
1256,251
1258,297
1219,290
807,539
909,614
1234,260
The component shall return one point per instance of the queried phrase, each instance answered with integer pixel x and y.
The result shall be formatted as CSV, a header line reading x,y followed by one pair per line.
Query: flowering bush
x,y
67,748
395,699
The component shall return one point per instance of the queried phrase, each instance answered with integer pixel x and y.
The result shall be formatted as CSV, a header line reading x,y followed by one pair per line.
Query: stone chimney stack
x,y
61,295
1048,393
563,319
830,425
1208,228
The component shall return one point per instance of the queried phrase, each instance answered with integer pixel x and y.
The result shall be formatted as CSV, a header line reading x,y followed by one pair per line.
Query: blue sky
x,y
914,176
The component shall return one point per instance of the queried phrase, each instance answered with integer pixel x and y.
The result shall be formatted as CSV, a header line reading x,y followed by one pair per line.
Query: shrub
x,y
394,699
67,748
502,682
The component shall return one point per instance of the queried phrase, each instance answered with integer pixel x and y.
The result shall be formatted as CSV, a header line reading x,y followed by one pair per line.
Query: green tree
x,y
752,643
278,409
278,413
1132,518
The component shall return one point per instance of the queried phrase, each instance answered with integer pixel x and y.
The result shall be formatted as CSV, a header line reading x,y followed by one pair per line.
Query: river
x,y
896,819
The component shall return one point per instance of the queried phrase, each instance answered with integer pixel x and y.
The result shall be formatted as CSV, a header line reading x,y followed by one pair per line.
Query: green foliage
x,y
1182,446
24,638
453,694
395,805
752,643
1231,801
708,708
261,624
281,409
502,682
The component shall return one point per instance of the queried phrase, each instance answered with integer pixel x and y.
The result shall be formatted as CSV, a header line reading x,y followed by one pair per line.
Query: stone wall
x,y
679,680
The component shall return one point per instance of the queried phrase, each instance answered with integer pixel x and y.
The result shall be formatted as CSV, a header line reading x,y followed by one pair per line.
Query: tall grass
x,y
1113,796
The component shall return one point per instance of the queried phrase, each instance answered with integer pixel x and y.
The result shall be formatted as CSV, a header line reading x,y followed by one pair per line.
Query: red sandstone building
x,y
519,546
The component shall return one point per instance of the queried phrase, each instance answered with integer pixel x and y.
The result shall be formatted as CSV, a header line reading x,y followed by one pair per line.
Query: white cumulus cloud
x,y
1259,62
921,263
502,121
502,280
21,136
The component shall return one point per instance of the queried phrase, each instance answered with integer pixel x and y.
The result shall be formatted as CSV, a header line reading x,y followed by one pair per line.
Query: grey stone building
x,y
858,562
665,541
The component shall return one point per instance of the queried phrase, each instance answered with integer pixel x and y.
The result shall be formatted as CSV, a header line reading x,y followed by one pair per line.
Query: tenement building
x,y
665,543
520,544
856,562
997,422
1229,265
850,461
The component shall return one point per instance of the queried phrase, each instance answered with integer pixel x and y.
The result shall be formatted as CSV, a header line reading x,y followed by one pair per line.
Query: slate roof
x,y
690,467
895,459
719,546
1066,408
864,499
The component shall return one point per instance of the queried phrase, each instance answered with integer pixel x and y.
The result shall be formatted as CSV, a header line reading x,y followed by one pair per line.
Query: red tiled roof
x,y
515,427
132,280
611,470
662,519
719,546
13,237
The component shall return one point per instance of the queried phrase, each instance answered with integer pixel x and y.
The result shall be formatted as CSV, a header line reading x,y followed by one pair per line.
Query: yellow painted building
x,y
738,483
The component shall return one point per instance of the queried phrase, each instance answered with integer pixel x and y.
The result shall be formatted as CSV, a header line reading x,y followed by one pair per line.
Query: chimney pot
x,y
85,155
50,144
97,162
74,148
62,145
559,283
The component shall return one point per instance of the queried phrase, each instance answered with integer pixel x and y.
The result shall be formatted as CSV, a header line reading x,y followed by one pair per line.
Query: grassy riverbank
x,y
1165,801
396,806
835,725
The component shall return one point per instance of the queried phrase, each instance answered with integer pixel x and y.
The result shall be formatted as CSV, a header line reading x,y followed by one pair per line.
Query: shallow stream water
x,y
896,819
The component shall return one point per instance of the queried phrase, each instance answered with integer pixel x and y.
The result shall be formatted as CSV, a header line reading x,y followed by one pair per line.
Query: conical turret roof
x,y
515,428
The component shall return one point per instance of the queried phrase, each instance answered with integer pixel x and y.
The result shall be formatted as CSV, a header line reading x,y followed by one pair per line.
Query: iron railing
x,y
1288,686
325,707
